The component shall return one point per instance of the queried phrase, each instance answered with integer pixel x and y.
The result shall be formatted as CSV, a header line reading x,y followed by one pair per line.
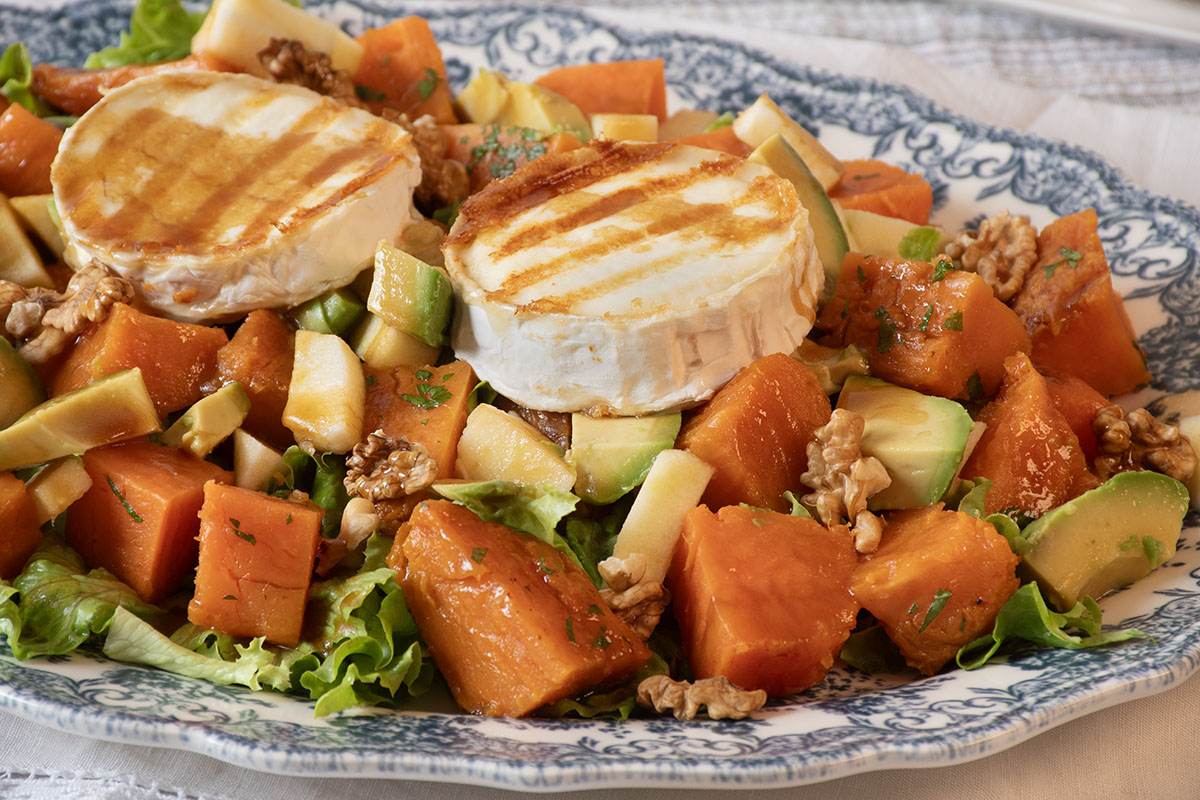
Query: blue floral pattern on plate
x,y
850,722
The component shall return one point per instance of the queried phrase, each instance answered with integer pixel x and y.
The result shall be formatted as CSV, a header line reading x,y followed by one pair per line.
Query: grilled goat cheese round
x,y
217,193
630,278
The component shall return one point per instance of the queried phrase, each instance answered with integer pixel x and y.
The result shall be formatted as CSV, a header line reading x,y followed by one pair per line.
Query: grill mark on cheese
x,y
610,204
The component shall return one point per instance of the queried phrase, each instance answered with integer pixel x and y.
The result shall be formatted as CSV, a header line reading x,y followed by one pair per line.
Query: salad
x,y
361,632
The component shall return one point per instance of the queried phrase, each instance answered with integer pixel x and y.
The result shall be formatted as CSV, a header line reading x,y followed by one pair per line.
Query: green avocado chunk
x,y
209,421
613,455
20,389
920,439
1105,538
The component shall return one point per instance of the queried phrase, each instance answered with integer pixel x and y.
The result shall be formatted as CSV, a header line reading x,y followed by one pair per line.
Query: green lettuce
x,y
920,243
159,30
1026,616
872,651
592,538
971,495
16,76
320,476
61,605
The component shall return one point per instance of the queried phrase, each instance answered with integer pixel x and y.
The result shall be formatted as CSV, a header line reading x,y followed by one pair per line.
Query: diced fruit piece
x,y
625,127
504,447
402,69
254,462
1027,450
878,187
56,487
1079,403
176,358
112,409
1077,323
931,329
832,365
722,139
920,439
673,488
138,519
1105,538
334,312
762,598
936,582
327,394
210,421
536,107
33,212
20,389
410,295
19,259
260,357
22,534
764,119
77,90
621,87
512,623
491,151
28,146
235,30
484,97
828,233
613,454
755,431
256,562
381,346
687,122
877,235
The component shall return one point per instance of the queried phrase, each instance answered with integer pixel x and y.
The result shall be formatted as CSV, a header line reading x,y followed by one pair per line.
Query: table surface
x,y
1139,749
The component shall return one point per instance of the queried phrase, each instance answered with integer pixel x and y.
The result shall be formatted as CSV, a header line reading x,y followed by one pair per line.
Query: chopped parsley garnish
x,y
862,276
887,330
368,95
428,396
125,503
602,642
868,176
288,521
571,631
920,243
478,553
954,322
594,609
229,597
424,374
846,309
426,86
370,380
238,532
962,623
941,266
1069,257
912,609
924,323
935,608
544,568
447,376
975,387
505,158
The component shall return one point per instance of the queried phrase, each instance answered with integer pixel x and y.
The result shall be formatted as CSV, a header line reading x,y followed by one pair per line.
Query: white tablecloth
x,y
954,53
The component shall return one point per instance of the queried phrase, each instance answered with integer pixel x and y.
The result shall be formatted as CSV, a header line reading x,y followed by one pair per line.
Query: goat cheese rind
x,y
217,193
630,278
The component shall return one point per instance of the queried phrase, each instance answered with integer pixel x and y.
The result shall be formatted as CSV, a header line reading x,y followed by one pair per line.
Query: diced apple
x,y
235,30
19,260
764,119
327,395
685,122
500,446
381,346
33,211
56,487
625,127
254,462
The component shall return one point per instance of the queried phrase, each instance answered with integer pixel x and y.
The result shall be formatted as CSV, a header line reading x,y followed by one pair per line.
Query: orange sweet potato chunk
x,y
722,139
762,598
259,357
755,431
939,332
929,558
256,562
1076,320
28,145
1028,448
512,623
617,87
138,520
876,186
402,67
176,358
1079,404
20,533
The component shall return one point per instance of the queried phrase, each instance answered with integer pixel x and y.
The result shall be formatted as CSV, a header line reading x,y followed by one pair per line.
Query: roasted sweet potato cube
x,y
938,331
512,623
259,357
936,582
20,533
762,598
138,519
1077,322
256,563
1028,448
755,431
176,358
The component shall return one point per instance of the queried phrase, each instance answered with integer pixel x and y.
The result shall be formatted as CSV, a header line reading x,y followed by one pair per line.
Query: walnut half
x,y
1002,251
383,467
720,697
842,479
638,602
1138,441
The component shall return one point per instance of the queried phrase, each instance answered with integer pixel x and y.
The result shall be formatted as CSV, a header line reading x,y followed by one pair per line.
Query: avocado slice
x,y
920,439
411,295
112,409
336,312
828,232
209,421
1105,538
533,106
613,455
20,389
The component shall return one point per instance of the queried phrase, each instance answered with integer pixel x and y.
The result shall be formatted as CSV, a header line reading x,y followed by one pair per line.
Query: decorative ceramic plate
x,y
850,722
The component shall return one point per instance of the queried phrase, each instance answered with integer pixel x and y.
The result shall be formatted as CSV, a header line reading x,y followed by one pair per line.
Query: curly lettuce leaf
x,y
971,497
872,651
16,77
61,605
159,30
1026,617
320,476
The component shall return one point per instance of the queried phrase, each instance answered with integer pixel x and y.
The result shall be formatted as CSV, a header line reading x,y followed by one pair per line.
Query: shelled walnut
x,y
721,698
